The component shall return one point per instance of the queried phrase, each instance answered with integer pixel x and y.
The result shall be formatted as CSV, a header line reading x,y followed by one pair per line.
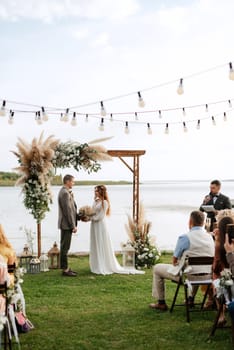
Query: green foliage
x,y
92,312
146,253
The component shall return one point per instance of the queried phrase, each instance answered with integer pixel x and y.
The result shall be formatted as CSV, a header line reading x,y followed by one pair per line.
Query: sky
x,y
66,53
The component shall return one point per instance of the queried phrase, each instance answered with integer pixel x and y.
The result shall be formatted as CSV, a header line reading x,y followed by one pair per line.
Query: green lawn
x,y
109,312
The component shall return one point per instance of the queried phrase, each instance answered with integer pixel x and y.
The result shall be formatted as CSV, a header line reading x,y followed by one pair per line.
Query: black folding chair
x,y
188,281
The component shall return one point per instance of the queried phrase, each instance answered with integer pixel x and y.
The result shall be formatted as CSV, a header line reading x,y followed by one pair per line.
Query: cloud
x,y
51,10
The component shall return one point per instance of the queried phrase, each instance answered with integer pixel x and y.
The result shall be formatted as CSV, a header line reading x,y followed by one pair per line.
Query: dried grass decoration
x,y
39,160
146,251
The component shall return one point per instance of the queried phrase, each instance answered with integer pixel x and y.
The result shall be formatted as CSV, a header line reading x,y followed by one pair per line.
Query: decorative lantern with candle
x,y
128,256
54,257
25,258
34,265
44,263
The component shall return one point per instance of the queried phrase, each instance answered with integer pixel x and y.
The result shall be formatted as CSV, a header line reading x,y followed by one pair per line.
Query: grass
x,y
109,312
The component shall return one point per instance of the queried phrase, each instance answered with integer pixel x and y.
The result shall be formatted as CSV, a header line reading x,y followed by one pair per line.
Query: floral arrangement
x,y
39,160
85,213
224,285
146,251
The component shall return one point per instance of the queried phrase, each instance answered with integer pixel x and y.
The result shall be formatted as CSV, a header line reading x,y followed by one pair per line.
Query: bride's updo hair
x,y
102,190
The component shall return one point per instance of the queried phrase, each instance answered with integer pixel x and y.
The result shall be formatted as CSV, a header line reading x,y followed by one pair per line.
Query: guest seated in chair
x,y
197,242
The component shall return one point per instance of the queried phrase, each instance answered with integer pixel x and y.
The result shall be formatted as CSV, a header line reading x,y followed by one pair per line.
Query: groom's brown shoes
x,y
161,307
69,273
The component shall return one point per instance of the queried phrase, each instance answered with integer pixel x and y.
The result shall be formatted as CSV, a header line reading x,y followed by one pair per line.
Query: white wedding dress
x,y
102,258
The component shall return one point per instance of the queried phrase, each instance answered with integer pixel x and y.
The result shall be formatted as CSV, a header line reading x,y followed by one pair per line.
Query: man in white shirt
x,y
197,242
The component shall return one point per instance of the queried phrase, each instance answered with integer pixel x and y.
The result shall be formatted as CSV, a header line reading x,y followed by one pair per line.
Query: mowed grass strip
x,y
93,312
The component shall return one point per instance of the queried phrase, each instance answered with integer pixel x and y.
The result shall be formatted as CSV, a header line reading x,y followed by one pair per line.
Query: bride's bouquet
x,y
85,213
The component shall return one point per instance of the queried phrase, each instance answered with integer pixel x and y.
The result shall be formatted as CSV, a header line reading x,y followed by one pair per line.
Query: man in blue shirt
x,y
196,242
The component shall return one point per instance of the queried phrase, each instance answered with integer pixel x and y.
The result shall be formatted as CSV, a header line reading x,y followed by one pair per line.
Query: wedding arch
x,y
39,160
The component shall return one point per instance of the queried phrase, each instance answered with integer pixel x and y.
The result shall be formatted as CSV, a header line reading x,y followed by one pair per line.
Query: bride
x,y
102,258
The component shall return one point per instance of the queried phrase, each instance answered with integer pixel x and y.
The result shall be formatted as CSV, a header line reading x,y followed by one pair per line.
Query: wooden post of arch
x,y
135,171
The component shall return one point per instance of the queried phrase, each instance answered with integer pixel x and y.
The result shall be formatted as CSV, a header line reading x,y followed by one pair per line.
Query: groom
x,y
67,222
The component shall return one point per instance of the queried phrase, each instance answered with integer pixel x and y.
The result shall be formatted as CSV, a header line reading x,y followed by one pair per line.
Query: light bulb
x,y
213,121
126,129
73,121
141,102
136,116
86,118
198,125
166,129
207,109
111,117
160,114
180,89
101,126
66,116
230,103
185,127
184,112
44,115
11,118
3,109
231,72
225,116
61,117
103,111
149,130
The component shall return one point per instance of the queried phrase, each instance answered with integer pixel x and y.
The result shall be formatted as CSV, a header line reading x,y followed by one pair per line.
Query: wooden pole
x,y
38,239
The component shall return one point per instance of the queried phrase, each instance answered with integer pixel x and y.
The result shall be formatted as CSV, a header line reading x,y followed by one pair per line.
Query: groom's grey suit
x,y
67,222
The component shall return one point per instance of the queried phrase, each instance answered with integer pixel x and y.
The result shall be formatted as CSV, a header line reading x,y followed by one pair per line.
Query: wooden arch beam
x,y
135,155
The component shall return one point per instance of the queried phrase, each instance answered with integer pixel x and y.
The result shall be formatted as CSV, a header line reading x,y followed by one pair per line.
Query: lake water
x,y
167,206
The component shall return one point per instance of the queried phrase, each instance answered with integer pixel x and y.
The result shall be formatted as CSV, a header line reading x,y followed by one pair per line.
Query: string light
x,y
166,129
61,117
230,103
103,111
180,89
101,126
86,118
198,124
73,121
3,109
149,130
111,117
184,112
231,71
160,114
136,116
207,109
185,127
141,102
66,116
44,115
38,118
213,121
11,117
126,129
225,116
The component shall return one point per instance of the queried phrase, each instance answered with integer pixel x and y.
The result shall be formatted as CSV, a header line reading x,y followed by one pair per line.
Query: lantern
x,y
128,256
44,263
34,266
25,258
54,257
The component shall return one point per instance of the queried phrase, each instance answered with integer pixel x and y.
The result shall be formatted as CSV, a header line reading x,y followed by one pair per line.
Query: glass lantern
x,y
128,257
54,257
34,266
25,258
44,261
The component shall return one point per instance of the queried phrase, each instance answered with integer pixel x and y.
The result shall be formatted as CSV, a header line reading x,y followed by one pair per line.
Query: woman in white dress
x,y
102,258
